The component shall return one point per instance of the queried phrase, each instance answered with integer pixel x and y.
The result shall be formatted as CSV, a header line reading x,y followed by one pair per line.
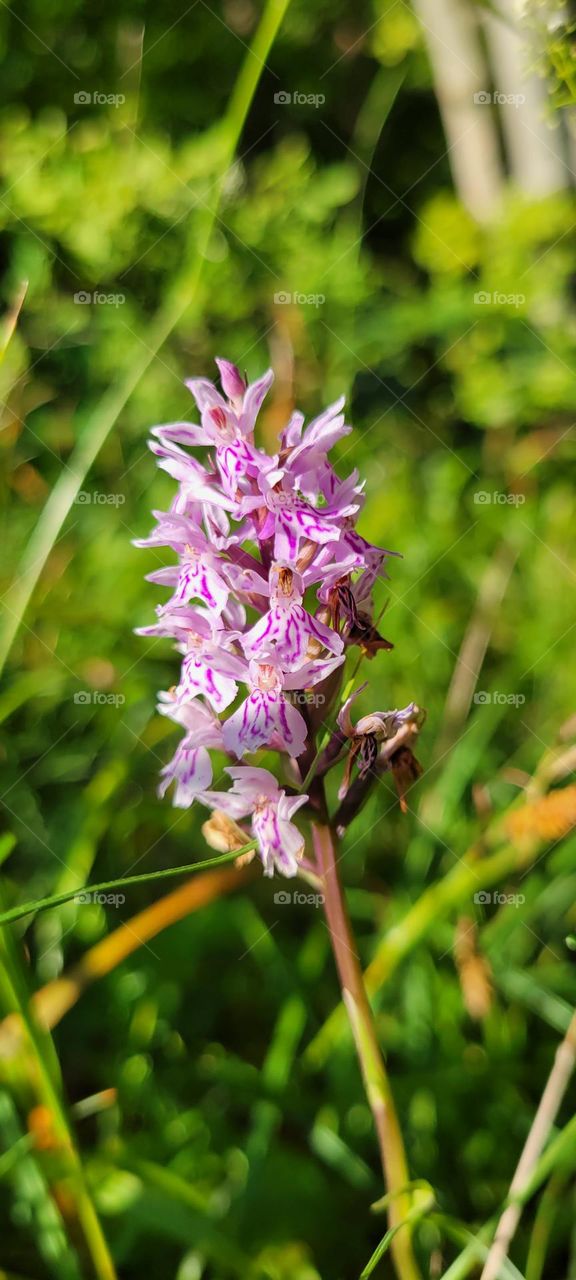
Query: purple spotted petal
x,y
200,579
300,521
248,784
178,621
205,394
239,463
317,439
265,719
280,842
287,632
180,433
199,720
292,432
199,676
190,769
312,672
253,781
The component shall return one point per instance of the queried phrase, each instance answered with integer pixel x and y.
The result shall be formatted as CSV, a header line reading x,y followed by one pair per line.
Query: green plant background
x,y
227,1151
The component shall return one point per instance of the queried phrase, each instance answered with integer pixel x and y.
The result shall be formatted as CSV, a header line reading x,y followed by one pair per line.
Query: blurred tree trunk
x,y
535,162
467,90
459,69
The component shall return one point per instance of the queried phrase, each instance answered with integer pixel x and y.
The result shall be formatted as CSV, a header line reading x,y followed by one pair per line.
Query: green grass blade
x,y
414,1216
108,411
57,899
46,1084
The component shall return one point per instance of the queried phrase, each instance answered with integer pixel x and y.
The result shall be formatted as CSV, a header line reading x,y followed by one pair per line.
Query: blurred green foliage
x,y
224,1154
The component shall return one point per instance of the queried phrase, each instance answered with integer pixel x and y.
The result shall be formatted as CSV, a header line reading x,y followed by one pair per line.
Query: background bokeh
x,y
212,1134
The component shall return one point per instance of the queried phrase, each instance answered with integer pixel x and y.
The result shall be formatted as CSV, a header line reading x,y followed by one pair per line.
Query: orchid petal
x,y
199,676
190,769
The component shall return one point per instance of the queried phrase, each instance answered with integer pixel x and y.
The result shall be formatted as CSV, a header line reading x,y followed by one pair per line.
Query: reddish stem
x,y
372,1065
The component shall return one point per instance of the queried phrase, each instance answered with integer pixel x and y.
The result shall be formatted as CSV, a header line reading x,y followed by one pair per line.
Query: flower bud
x,y
223,834
233,384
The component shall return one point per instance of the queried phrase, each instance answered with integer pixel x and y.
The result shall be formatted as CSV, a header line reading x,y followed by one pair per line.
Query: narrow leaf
x,y
57,899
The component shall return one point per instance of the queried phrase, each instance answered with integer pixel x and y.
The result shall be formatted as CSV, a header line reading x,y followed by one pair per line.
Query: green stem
x,y
57,899
374,1073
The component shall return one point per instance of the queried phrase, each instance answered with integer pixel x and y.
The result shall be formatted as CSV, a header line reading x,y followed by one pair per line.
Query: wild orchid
x,y
271,589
